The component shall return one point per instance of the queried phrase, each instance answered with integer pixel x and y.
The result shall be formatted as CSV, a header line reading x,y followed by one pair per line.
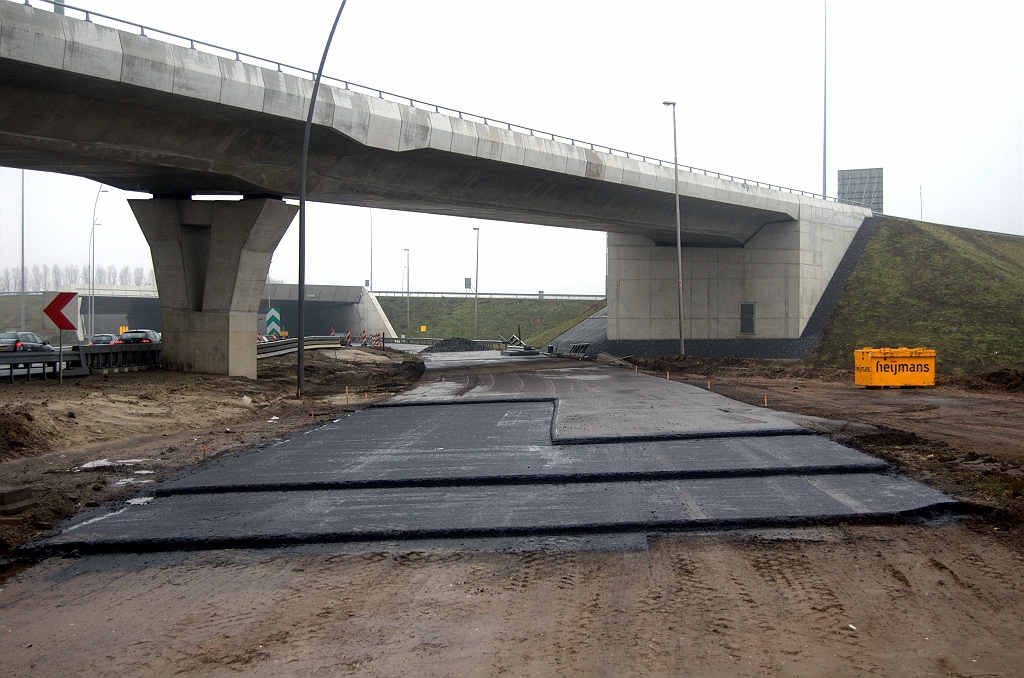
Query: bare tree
x,y
111,275
46,278
16,279
86,274
35,279
70,274
57,274
138,275
101,275
125,277
150,279
6,281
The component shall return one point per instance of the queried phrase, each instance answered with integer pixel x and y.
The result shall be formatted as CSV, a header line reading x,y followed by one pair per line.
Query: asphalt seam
x,y
592,440
527,479
652,526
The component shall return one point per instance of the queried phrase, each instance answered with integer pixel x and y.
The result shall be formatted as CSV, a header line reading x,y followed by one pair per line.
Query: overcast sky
x,y
929,91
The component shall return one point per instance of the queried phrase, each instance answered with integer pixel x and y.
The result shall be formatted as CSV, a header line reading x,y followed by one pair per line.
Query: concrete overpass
x,y
147,115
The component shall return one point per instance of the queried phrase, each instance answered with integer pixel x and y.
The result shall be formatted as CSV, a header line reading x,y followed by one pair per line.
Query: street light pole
x,y
92,264
22,257
476,281
301,355
824,109
679,232
408,288
371,249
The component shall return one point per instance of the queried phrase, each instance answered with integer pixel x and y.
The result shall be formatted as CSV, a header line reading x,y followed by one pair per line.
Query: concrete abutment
x,y
779,274
211,259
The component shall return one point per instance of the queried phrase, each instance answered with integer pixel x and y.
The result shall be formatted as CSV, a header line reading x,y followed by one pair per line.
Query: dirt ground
x,y
965,436
137,427
921,599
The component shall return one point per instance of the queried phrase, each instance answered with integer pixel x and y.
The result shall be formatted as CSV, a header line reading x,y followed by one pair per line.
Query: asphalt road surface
x,y
536,450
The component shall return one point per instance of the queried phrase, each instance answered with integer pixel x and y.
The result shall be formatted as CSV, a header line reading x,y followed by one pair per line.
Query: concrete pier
x,y
780,273
211,260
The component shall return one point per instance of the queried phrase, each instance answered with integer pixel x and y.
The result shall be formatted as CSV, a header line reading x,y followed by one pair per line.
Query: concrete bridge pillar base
x,y
211,260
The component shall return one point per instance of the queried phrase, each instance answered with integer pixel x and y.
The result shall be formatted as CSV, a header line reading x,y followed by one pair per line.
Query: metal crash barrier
x,y
82,360
49,362
117,356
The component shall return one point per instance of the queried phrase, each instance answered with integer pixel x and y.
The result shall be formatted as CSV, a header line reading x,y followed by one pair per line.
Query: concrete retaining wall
x,y
783,270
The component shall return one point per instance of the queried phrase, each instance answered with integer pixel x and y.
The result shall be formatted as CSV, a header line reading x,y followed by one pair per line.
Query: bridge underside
x,y
166,145
144,115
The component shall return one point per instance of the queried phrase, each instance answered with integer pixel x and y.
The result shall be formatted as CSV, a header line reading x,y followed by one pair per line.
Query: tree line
x,y
44,278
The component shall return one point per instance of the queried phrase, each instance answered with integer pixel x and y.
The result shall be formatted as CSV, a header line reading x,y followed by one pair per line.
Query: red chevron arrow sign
x,y
55,310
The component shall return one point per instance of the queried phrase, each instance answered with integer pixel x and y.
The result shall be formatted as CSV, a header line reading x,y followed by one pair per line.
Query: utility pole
x,y
476,282
371,249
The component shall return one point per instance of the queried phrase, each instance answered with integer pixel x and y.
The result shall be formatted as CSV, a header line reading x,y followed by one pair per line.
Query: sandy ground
x,y
919,600
137,427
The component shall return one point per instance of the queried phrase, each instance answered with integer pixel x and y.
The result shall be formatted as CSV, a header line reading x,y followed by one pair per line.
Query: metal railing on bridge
x,y
238,55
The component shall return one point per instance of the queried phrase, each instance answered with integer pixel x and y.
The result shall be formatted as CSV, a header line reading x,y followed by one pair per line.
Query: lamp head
x,y
668,103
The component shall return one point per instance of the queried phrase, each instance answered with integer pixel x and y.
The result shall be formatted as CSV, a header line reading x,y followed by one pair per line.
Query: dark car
x,y
23,341
102,339
139,337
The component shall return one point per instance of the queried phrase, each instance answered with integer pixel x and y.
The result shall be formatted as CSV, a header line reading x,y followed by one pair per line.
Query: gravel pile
x,y
453,345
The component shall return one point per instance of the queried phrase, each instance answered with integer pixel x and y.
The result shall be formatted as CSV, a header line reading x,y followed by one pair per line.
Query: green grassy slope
x,y
956,290
444,317
10,316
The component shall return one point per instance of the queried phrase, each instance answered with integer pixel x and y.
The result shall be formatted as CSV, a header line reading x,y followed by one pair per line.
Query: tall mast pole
x,y
824,112
22,254
300,356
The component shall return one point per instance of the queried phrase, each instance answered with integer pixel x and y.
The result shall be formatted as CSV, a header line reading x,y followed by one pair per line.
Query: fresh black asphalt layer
x,y
266,518
490,469
505,444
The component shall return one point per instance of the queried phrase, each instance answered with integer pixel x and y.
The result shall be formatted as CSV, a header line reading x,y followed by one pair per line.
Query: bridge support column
x,y
211,260
779,275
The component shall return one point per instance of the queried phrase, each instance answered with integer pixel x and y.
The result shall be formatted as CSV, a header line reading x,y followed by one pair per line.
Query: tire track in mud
x,y
542,579
693,591
812,600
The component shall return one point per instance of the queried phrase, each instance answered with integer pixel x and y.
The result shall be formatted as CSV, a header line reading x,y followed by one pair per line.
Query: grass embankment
x,y
10,317
541,320
958,291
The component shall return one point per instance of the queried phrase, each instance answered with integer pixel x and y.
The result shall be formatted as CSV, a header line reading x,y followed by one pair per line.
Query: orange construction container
x,y
894,367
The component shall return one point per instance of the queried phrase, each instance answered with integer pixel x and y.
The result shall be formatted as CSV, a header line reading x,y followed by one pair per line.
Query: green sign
x,y
273,322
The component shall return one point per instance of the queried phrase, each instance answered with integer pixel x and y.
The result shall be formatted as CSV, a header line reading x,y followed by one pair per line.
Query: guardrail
x,y
283,346
28,359
237,55
494,295
82,360
118,356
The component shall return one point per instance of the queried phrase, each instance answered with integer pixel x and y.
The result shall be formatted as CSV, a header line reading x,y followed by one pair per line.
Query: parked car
x,y
102,339
139,337
24,341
